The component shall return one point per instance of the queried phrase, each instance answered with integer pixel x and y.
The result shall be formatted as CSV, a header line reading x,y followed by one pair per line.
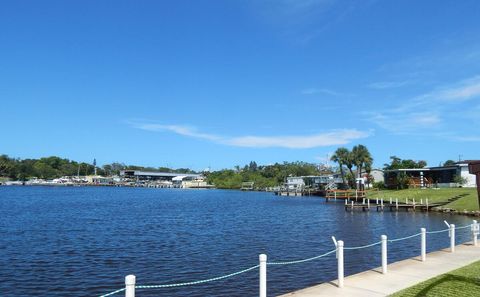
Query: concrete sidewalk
x,y
401,275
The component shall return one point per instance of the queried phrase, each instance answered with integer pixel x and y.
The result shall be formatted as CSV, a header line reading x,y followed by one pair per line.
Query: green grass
x,y
464,281
467,202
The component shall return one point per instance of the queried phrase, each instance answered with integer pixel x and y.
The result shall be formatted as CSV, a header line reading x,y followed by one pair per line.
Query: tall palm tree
x,y
341,156
361,158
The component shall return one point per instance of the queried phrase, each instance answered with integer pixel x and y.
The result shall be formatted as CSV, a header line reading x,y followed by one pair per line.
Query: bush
x,y
379,185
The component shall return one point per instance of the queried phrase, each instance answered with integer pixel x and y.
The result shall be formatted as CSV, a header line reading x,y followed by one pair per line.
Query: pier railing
x,y
131,286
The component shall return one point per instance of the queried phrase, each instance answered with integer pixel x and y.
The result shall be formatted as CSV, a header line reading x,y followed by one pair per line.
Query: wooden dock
x,y
379,205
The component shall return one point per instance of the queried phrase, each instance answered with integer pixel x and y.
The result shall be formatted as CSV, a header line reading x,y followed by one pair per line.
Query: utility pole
x,y
474,168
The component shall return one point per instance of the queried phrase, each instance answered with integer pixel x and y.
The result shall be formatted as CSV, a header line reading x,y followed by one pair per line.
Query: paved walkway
x,y
401,275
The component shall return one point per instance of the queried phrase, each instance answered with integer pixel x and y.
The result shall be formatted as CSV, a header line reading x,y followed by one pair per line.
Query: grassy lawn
x,y
468,201
464,281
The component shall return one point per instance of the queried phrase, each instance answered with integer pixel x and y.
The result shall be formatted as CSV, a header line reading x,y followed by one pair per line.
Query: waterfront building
x,y
438,177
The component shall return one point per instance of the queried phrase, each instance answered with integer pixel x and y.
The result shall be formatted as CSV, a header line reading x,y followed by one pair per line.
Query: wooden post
x,y
474,168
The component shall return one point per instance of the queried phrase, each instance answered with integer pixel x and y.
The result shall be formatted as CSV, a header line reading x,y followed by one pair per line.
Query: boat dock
x,y
379,205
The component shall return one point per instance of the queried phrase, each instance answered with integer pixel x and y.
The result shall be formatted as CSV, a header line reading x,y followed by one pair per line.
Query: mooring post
x,y
130,285
426,202
451,233
423,249
340,263
376,201
368,204
475,229
352,206
263,275
396,203
384,253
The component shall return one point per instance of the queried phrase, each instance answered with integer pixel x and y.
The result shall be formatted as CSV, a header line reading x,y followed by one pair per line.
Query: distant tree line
x,y
263,176
55,167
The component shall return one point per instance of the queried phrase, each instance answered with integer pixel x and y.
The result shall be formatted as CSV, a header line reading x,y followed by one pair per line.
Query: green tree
x,y
449,163
361,158
341,156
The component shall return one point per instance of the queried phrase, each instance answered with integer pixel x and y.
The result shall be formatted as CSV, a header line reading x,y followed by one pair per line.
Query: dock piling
x,y
451,234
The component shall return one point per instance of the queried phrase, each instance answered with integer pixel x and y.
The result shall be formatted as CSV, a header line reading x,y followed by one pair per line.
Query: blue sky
x,y
220,83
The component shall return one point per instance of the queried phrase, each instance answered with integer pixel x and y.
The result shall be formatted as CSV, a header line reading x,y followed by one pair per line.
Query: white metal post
x,y
423,250
130,285
340,263
475,232
384,253
396,203
452,238
263,275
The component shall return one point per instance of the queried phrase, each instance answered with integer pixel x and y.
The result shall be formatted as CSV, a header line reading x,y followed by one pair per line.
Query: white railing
x,y
130,280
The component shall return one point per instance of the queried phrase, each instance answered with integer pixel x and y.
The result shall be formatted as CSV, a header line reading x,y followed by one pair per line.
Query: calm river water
x,y
82,241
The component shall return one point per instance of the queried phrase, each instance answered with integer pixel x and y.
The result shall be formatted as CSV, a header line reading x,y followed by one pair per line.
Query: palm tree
x,y
341,156
361,158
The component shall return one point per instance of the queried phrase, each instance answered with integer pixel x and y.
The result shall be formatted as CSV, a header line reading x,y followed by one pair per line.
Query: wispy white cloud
x,y
405,123
388,84
466,90
314,91
428,111
303,20
335,137
181,130
471,138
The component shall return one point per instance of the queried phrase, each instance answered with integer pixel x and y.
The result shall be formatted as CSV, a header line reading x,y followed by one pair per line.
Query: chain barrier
x,y
303,260
276,263
185,283
363,246
113,293
439,231
404,238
